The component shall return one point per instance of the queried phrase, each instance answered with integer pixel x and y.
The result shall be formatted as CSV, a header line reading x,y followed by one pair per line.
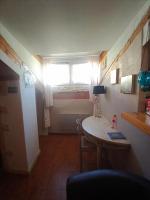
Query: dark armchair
x,y
104,184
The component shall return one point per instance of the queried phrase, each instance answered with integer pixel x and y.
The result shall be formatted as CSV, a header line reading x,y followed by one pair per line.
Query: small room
x,y
74,99
8,85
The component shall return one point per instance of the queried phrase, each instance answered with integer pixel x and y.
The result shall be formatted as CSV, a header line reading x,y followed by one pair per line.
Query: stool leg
x,y
81,161
99,157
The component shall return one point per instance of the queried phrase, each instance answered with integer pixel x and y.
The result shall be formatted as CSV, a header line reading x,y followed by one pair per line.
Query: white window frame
x,y
70,76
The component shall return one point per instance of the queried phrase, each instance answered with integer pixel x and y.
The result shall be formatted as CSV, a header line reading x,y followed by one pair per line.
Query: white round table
x,y
96,129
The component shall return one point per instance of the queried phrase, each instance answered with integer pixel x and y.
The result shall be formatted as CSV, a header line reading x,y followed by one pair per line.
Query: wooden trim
x,y
140,120
5,47
129,42
39,58
103,56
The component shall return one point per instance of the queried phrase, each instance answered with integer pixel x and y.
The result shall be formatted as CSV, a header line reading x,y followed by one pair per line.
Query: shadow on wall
x,y
39,107
133,163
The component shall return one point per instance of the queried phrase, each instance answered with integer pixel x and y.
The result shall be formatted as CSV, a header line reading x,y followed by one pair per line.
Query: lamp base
x,y
99,115
96,107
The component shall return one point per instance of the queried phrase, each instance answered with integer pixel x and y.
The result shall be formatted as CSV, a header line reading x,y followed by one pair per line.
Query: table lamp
x,y
98,89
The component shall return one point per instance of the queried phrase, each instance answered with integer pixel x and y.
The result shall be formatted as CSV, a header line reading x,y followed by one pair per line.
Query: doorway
x,y
8,99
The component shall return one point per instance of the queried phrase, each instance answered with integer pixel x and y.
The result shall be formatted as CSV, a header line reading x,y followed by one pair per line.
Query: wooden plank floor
x,y
59,159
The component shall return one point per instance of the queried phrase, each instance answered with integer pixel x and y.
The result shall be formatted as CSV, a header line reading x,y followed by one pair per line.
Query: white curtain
x,y
48,97
95,75
95,80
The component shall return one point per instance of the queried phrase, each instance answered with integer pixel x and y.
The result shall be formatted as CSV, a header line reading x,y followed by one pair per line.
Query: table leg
x,y
99,157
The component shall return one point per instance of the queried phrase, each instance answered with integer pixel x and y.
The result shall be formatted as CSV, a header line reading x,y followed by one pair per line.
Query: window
x,y
71,75
57,74
81,73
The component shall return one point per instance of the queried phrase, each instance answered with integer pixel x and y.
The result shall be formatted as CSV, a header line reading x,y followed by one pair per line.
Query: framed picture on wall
x,y
114,77
128,84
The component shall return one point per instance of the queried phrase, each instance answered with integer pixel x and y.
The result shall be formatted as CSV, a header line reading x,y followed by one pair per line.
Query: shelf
x,y
140,120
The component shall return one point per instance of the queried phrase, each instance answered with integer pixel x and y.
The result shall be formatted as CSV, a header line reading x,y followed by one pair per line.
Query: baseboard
x,y
23,172
19,172
34,162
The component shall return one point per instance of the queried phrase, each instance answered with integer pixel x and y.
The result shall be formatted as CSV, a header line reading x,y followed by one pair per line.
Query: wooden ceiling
x,y
6,73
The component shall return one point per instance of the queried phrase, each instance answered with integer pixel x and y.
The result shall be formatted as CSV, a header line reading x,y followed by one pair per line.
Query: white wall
x,y
115,102
30,123
23,53
127,33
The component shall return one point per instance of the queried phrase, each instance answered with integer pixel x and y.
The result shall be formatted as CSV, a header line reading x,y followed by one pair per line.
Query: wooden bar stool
x,y
86,147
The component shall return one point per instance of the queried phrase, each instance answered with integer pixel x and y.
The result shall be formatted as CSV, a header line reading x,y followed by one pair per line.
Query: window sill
x,y
71,95
71,88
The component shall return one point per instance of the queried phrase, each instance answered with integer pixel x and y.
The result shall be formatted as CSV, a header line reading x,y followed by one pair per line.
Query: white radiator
x,y
65,112
65,123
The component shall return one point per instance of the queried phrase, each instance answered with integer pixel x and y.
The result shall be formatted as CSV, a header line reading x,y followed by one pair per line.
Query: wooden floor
x,y
59,159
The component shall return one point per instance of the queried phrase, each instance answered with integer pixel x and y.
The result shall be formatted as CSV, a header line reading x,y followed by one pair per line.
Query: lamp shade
x,y
99,89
